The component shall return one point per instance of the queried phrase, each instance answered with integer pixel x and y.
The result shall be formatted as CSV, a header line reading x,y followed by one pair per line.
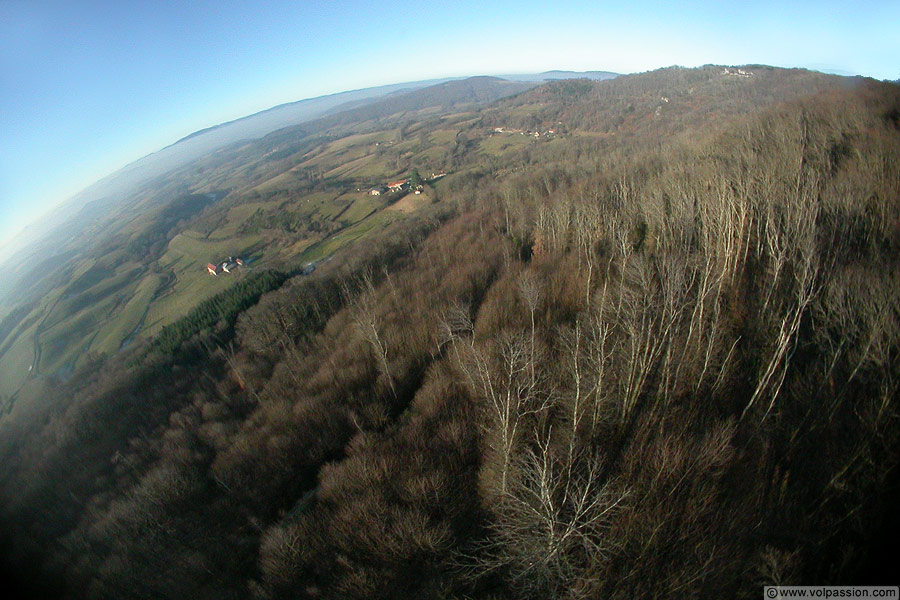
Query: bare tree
x,y
552,523
513,394
863,313
368,325
602,348
645,330
587,228
572,342
791,241
500,375
531,294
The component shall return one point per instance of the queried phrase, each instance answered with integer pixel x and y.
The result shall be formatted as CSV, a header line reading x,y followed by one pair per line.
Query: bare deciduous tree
x,y
791,242
500,375
368,325
531,293
552,523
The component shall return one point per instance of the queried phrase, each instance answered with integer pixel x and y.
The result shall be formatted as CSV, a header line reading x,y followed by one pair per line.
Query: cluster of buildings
x,y
401,185
394,186
523,132
737,72
226,266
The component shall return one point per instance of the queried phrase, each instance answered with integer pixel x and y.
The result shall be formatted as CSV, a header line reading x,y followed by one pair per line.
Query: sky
x,y
87,87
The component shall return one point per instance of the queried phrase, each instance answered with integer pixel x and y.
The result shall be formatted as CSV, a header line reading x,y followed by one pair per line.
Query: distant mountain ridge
x,y
290,113
556,74
472,90
128,179
40,240
204,141
257,125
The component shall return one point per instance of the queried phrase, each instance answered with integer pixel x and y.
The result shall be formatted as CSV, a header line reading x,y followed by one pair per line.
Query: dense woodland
x,y
657,359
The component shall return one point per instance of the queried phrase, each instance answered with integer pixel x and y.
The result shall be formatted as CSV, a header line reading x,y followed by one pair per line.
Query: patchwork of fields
x,y
281,215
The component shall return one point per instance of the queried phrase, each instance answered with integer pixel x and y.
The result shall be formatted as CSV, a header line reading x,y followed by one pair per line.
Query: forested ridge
x,y
655,357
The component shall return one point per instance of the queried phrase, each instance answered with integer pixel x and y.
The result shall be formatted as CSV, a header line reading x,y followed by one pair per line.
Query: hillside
x,y
146,256
111,193
633,338
554,75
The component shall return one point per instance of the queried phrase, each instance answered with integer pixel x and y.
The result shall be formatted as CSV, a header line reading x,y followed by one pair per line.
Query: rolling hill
x,y
142,235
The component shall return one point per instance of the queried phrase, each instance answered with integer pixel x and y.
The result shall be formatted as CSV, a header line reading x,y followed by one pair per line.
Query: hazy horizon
x,y
99,87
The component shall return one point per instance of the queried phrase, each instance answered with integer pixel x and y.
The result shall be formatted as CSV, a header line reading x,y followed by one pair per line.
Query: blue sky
x,y
87,87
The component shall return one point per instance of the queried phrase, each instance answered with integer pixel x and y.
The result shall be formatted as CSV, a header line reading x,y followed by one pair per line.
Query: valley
x,y
284,204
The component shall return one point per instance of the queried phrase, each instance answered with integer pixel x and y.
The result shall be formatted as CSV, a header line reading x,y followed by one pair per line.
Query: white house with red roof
x,y
397,186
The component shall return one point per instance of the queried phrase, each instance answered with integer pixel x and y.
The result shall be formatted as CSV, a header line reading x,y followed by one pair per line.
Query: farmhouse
x,y
226,266
398,186
401,185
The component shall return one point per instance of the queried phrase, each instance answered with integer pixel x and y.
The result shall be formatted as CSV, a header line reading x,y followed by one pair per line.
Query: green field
x,y
186,258
410,203
284,181
501,143
325,205
75,299
26,323
334,243
15,363
361,139
361,205
190,249
443,136
372,165
267,214
236,218
76,329
130,317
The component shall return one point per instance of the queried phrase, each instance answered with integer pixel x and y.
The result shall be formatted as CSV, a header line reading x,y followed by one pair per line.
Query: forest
x,y
656,356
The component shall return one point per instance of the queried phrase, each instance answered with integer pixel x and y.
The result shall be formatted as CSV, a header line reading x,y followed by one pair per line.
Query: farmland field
x,y
14,368
272,214
110,338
